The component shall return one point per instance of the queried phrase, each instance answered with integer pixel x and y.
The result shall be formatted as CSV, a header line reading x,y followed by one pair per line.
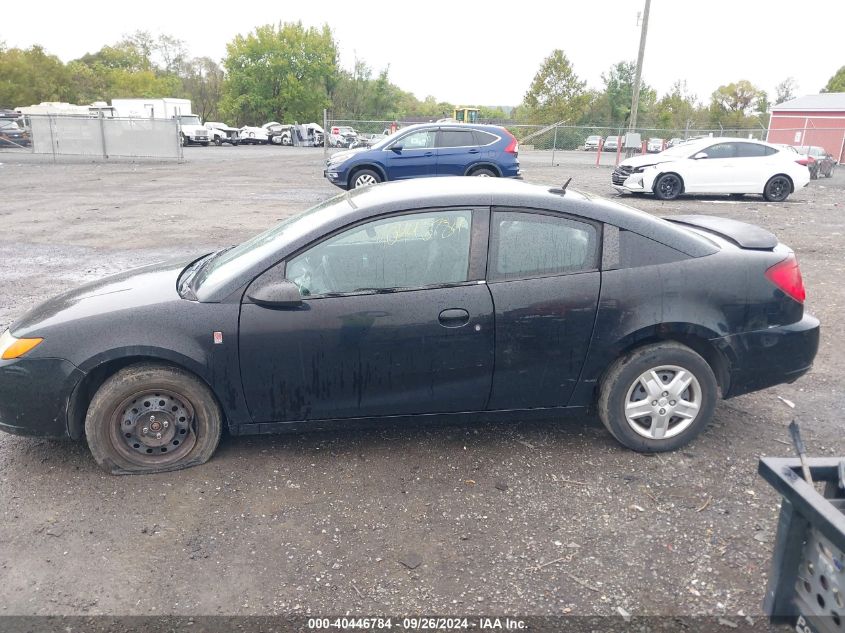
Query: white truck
x,y
191,128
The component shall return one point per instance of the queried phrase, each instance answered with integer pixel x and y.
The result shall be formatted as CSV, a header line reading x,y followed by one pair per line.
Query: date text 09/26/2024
x,y
417,623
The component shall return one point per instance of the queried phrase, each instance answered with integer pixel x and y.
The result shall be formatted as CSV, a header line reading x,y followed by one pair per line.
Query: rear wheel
x,y
218,141
365,178
152,418
658,398
668,187
483,172
777,189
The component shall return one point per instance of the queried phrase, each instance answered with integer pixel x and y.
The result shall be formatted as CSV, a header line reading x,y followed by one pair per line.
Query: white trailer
x,y
191,128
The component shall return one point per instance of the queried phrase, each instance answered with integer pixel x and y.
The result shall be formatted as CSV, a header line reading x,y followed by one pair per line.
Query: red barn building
x,y
811,120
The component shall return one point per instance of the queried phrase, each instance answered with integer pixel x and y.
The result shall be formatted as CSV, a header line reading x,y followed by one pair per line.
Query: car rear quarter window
x,y
455,138
527,244
484,138
632,250
408,251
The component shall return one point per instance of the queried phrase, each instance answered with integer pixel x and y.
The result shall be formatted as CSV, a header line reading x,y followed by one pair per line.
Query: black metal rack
x,y
807,579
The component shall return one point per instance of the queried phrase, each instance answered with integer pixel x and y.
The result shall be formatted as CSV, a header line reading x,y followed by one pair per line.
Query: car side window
x,y
485,138
407,251
418,140
721,150
455,138
525,245
750,150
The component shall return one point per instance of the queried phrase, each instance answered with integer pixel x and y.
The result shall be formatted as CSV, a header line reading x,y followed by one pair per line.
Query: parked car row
x,y
708,165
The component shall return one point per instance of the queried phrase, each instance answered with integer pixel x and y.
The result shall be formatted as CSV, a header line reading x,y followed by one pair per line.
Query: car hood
x,y
651,159
340,157
132,290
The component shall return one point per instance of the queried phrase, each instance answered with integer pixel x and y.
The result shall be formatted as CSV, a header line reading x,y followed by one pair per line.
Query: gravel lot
x,y
529,518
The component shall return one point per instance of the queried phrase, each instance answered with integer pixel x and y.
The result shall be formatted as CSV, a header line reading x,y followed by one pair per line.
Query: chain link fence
x,y
560,137
95,138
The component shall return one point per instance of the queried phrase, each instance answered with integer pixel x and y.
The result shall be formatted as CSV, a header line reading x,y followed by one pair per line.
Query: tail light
x,y
806,161
513,146
786,275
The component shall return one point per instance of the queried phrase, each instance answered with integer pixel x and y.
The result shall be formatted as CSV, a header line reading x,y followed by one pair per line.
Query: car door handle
x,y
473,151
453,317
427,154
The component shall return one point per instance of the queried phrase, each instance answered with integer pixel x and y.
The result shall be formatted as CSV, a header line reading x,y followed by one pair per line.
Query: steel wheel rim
x,y
663,402
669,186
146,432
365,180
777,188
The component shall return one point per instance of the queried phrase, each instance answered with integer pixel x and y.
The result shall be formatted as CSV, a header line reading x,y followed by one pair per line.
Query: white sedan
x,y
714,165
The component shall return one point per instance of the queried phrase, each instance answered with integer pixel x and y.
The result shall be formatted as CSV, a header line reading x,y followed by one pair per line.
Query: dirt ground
x,y
528,518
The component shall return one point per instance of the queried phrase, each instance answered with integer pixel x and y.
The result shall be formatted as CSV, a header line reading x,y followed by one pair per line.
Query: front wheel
x,y
658,398
668,187
483,172
365,178
150,418
777,189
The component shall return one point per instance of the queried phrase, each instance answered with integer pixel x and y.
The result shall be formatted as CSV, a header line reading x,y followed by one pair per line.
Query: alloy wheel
x,y
663,402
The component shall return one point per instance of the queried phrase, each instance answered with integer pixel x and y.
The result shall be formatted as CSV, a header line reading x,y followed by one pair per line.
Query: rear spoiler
x,y
740,233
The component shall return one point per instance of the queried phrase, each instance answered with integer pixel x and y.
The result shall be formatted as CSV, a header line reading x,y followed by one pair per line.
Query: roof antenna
x,y
566,184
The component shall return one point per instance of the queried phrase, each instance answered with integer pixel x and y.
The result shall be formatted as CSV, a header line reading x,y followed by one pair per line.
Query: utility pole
x,y
635,101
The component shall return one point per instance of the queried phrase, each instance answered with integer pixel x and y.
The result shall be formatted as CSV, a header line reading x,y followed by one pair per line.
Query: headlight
x,y
11,347
640,170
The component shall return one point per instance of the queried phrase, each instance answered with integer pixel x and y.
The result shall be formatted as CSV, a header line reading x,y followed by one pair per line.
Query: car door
x,y
395,320
412,156
755,163
712,173
456,149
543,274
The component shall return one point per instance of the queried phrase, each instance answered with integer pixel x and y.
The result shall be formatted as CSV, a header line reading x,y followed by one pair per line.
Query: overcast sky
x,y
481,52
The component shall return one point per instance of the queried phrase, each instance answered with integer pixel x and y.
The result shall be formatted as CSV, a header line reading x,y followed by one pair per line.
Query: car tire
x,y
668,186
634,378
777,189
218,141
184,140
286,140
483,172
814,173
204,143
365,178
276,140
124,440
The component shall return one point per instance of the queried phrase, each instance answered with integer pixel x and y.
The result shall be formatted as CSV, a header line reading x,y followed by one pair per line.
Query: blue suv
x,y
432,149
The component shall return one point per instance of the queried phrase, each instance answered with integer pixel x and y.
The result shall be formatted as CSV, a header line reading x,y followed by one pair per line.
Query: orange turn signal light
x,y
20,347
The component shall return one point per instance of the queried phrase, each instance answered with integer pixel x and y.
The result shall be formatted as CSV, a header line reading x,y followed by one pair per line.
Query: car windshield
x,y
189,119
683,150
229,264
9,125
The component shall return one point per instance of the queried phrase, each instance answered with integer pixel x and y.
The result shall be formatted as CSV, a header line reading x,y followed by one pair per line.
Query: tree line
x,y
289,73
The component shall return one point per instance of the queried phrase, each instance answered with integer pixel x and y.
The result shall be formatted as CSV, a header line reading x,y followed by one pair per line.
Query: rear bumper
x,y
770,357
34,395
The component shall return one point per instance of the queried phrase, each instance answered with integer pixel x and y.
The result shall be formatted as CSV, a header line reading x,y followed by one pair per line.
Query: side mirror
x,y
397,147
275,294
700,155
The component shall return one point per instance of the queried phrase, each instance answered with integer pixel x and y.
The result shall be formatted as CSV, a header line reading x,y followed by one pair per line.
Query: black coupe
x,y
445,298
